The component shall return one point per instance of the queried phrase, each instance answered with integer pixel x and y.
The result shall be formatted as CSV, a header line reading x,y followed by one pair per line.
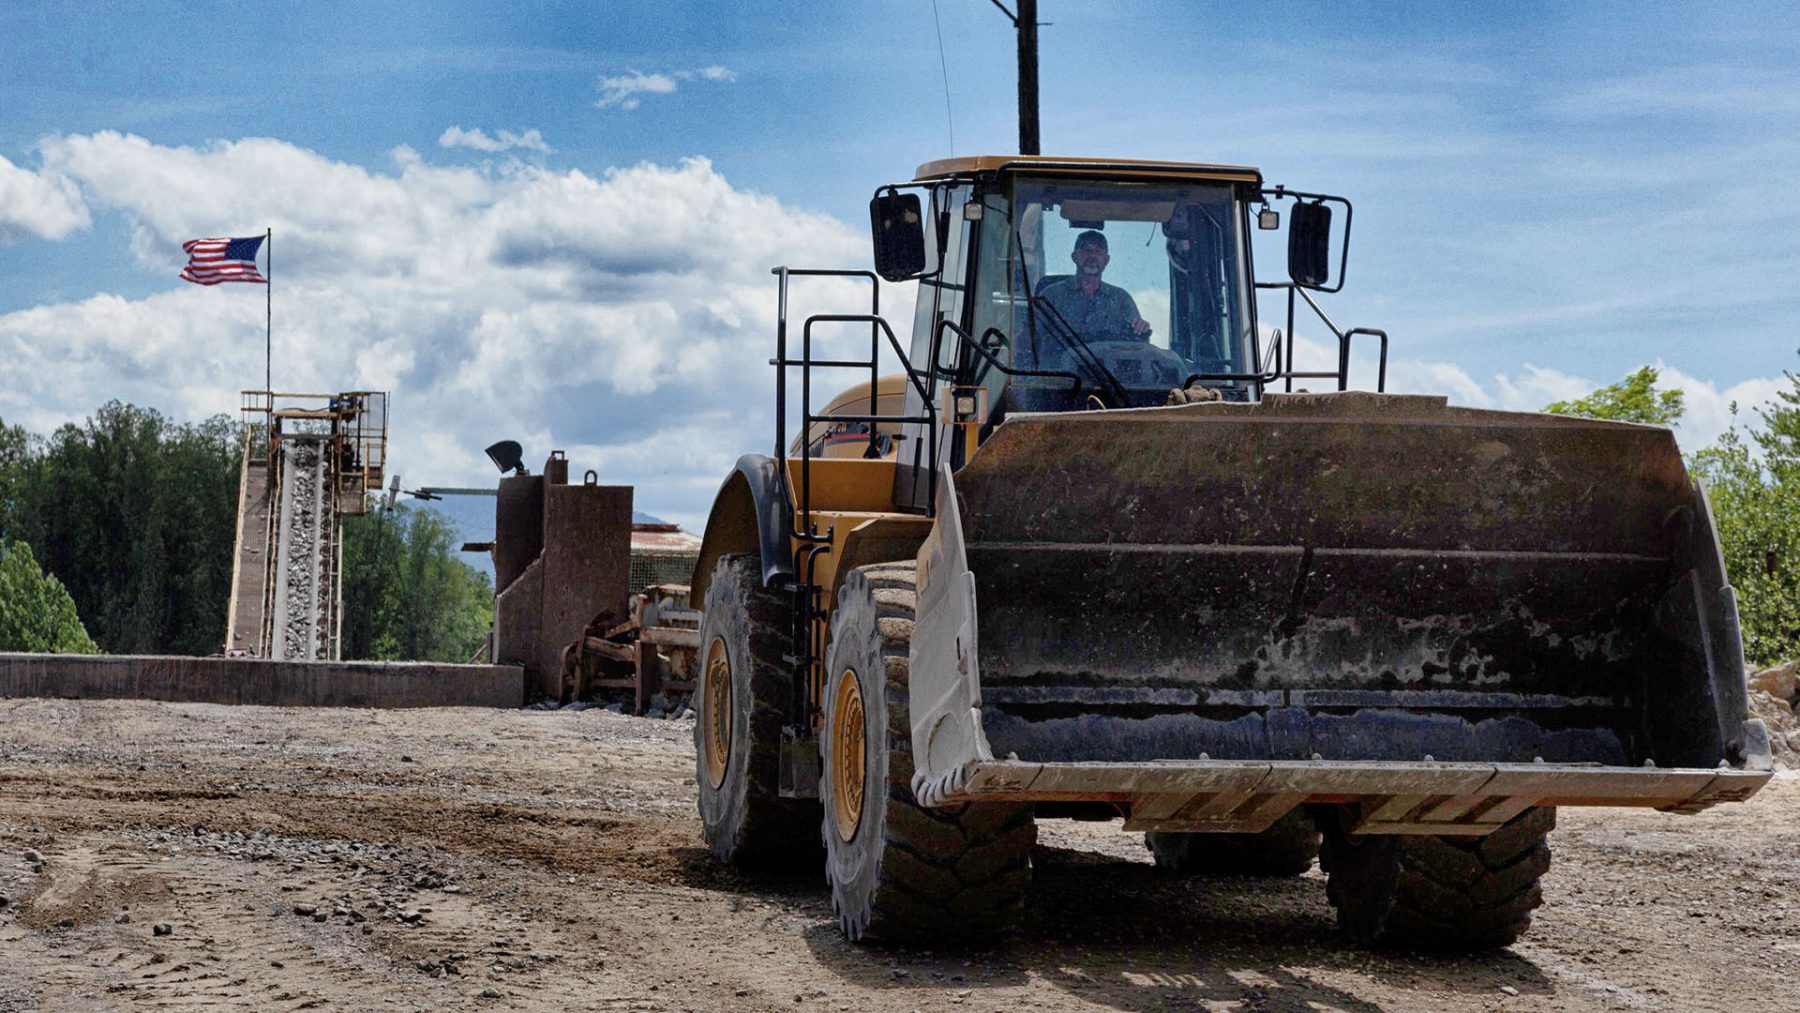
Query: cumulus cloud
x,y
628,313
626,316
1708,408
38,205
624,91
502,140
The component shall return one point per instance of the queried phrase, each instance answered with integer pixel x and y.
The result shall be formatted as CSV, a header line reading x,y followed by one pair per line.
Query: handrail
x,y
808,417
993,360
1344,354
1343,338
807,632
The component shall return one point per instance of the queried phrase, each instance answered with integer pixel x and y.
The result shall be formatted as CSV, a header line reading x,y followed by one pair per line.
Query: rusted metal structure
x,y
652,652
309,460
586,599
561,564
1101,560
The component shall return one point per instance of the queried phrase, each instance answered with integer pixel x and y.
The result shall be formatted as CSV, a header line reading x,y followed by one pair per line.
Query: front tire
x,y
741,703
1462,893
901,872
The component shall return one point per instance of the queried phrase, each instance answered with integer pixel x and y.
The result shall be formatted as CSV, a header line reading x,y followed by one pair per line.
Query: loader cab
x,y
1004,306
1013,316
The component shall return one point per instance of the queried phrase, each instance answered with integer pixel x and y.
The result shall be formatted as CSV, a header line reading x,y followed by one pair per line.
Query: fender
x,y
751,513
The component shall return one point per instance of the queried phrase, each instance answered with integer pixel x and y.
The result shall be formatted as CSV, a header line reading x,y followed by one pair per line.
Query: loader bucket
x,y
1347,577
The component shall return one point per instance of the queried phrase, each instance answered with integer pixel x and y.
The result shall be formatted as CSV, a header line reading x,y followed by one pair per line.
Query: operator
x,y
1095,310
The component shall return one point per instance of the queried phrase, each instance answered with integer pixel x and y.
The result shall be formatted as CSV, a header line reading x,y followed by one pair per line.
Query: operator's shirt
x,y
1106,315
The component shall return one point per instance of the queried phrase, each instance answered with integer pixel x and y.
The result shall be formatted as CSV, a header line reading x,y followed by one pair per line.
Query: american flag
x,y
211,261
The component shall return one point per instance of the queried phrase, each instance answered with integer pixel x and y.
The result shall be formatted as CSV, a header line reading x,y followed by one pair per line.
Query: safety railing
x,y
809,542
1344,338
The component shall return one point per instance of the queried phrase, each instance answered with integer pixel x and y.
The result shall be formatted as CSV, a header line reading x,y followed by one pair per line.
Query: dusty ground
x,y
475,860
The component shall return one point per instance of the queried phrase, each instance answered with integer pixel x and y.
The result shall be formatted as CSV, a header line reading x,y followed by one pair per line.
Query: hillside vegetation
x,y
131,517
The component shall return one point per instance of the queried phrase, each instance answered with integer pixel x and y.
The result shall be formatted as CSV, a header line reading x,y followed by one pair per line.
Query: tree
x,y
137,516
1633,399
407,597
1754,487
36,613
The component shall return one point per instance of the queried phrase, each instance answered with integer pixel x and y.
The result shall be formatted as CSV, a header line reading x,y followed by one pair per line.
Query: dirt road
x,y
189,856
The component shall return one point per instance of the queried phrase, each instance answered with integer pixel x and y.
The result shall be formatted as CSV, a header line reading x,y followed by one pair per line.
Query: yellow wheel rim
x,y
718,711
847,756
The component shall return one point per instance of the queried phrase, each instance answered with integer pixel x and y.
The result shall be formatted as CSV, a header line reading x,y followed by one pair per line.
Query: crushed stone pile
x,y
305,598
1773,691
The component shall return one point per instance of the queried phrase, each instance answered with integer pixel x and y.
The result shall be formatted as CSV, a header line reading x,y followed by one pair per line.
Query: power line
x,y
945,66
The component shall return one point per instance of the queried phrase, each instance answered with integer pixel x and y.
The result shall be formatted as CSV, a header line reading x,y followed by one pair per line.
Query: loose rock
x,y
1780,681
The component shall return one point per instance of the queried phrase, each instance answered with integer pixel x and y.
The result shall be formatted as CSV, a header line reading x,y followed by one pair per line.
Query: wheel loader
x,y
1091,554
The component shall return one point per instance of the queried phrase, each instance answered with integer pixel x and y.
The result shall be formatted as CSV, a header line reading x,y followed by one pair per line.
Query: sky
x,y
555,222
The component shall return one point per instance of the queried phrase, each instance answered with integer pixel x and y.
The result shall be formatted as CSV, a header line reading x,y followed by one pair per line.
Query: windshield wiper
x,y
1080,350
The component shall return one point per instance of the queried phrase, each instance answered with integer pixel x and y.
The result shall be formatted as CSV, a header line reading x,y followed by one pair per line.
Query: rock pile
x,y
304,521
1772,695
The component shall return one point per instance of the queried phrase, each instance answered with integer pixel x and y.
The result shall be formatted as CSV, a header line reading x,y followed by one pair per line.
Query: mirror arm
x,y
1280,192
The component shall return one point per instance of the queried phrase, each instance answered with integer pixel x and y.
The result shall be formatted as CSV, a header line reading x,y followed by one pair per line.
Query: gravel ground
x,y
188,856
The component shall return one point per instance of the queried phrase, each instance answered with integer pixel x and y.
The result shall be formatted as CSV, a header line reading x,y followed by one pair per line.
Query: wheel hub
x,y
847,756
717,697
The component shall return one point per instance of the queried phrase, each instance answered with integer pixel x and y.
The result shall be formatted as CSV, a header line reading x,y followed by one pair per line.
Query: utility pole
x,y
1026,22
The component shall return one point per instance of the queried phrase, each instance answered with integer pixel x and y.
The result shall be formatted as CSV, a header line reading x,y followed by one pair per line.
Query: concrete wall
x,y
250,567
519,620
260,681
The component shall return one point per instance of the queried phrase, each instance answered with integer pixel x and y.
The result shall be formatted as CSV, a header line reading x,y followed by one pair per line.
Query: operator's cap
x,y
1091,236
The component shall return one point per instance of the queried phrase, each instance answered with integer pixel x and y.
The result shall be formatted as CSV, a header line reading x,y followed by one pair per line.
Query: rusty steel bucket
x,y
1348,577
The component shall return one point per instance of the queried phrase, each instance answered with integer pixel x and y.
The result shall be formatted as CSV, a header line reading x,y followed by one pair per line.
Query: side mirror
x,y
1309,245
898,227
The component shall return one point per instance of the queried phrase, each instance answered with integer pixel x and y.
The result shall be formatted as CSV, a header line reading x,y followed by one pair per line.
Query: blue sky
x,y
1547,195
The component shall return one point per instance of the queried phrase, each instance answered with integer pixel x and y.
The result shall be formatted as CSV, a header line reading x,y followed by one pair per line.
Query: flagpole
x,y
269,316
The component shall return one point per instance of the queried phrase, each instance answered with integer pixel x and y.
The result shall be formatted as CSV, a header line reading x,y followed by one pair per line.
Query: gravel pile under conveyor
x,y
303,597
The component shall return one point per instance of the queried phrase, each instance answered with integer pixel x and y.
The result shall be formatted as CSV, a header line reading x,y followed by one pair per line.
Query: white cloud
x,y
38,205
1707,408
627,316
503,140
624,91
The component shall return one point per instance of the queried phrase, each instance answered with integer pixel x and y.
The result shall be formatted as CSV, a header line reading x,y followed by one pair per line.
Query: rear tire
x,y
900,872
741,702
1287,848
1464,893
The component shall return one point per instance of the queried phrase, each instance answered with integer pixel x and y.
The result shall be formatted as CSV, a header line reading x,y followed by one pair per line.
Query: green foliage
x,y
1633,399
1754,487
36,614
407,596
135,514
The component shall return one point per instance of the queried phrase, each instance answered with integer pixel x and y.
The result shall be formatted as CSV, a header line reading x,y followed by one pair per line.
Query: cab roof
x,y
967,165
